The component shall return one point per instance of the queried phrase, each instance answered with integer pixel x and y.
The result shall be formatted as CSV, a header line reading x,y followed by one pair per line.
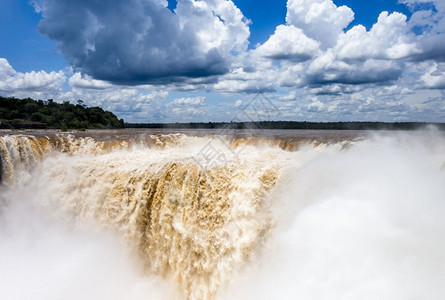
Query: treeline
x,y
292,125
28,113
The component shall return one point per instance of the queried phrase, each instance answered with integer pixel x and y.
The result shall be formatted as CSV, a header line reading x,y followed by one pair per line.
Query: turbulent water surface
x,y
137,214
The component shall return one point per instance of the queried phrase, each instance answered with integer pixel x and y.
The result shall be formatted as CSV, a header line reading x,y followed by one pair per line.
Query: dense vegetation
x,y
29,113
291,125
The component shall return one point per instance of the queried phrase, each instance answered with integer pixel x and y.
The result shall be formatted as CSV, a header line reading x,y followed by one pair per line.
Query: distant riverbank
x,y
292,125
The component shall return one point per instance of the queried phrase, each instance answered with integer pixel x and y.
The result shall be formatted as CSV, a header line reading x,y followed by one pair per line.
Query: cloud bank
x,y
134,42
314,50
139,42
18,83
142,61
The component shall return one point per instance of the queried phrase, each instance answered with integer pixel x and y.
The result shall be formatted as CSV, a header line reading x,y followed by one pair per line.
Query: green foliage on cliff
x,y
29,113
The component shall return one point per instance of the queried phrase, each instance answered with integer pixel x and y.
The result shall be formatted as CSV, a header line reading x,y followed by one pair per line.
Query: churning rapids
x,y
200,216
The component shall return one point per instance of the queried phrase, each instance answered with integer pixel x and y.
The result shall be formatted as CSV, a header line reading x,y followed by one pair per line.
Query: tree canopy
x,y
29,113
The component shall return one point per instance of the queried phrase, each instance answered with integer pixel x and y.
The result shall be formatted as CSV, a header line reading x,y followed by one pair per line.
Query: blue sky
x,y
159,61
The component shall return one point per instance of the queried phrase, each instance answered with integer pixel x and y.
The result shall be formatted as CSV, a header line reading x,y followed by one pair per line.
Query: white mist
x,y
44,258
366,223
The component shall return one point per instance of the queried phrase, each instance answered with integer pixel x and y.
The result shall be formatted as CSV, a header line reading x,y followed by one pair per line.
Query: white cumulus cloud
x,y
147,43
389,38
435,76
188,101
320,20
84,81
289,42
17,83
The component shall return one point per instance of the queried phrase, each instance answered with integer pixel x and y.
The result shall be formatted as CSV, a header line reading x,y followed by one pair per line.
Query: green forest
x,y
28,113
